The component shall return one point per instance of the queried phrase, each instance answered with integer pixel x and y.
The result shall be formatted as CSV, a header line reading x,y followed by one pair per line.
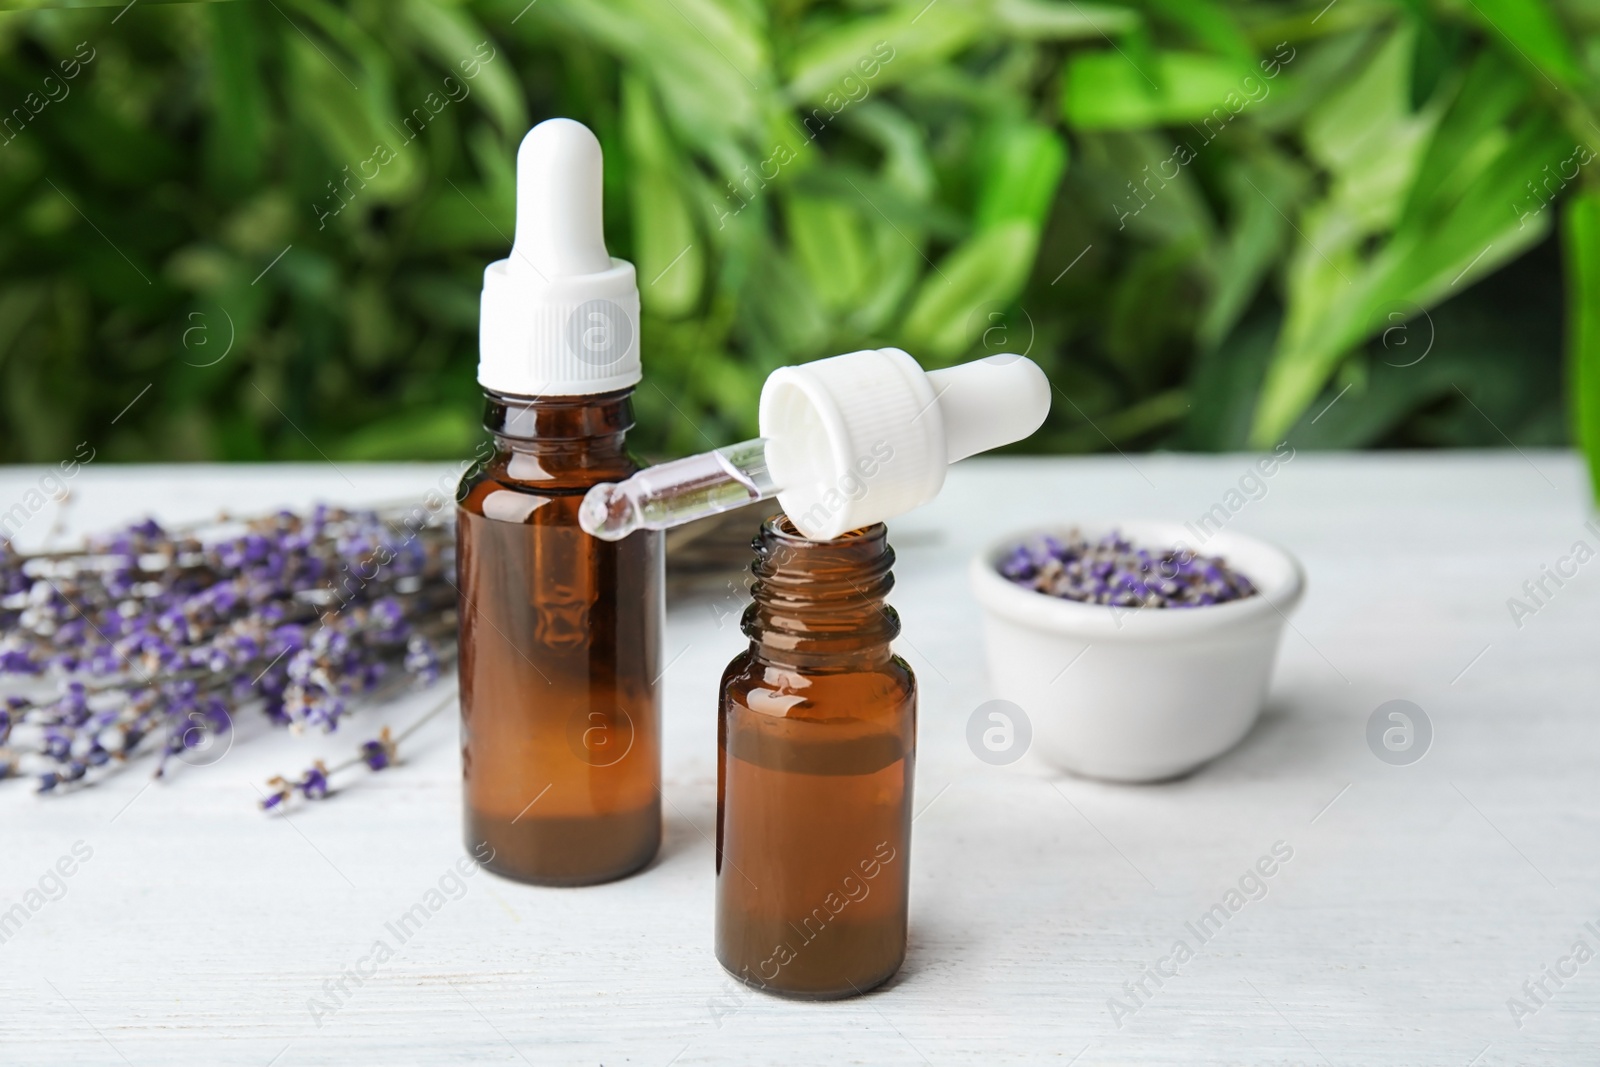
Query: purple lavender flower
x,y
282,790
422,658
380,754
314,783
376,755
159,637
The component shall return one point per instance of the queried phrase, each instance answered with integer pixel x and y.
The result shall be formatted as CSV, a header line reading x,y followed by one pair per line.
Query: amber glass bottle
x,y
816,741
560,651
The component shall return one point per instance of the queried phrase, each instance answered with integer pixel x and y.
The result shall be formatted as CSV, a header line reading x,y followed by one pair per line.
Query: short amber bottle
x,y
560,651
816,742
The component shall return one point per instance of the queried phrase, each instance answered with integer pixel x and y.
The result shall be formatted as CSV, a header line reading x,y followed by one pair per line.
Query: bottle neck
x,y
819,605
544,439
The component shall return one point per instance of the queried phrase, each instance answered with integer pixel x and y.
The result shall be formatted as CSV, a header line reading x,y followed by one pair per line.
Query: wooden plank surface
x,y
1416,903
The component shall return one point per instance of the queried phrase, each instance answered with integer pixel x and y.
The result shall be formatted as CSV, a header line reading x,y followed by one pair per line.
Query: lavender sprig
x,y
378,754
156,639
1114,571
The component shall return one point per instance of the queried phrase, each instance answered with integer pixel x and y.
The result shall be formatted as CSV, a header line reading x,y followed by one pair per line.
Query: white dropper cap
x,y
860,438
559,316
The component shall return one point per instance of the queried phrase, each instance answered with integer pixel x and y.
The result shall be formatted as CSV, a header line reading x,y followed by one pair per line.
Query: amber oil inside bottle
x,y
816,741
560,651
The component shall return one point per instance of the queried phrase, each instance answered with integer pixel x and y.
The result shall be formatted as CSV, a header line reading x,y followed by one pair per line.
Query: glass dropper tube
x,y
681,491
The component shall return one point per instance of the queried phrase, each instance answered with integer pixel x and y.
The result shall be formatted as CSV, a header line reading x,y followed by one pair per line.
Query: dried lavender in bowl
x,y
1113,570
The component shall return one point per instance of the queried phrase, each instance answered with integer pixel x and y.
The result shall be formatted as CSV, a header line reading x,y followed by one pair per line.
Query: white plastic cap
x,y
559,316
860,438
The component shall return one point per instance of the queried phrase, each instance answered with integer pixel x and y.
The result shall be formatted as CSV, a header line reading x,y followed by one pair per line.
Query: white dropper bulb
x,y
990,402
560,194
864,437
559,316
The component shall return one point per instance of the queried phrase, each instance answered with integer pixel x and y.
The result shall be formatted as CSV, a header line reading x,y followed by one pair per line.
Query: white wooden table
x,y
1417,902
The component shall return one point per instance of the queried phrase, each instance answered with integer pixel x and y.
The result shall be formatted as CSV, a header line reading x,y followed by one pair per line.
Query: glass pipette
x,y
673,493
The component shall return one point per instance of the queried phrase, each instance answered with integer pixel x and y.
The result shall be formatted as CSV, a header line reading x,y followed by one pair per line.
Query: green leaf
x,y
238,135
669,253
707,59
830,244
465,49
985,272
1208,23
1070,21
1530,29
779,309
909,214
1146,189
870,54
1581,242
1022,168
1222,388
1149,312
352,125
1261,191
1109,91
1366,136
1471,135
466,217
906,164
899,264
1303,74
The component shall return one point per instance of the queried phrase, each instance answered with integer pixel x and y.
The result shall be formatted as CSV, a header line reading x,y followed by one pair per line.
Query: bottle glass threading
x,y
560,651
816,741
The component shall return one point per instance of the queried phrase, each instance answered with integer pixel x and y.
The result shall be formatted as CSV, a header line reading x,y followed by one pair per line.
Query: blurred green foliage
x,y
245,230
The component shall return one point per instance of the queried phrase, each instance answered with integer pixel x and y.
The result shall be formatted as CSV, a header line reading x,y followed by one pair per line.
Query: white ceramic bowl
x,y
1136,694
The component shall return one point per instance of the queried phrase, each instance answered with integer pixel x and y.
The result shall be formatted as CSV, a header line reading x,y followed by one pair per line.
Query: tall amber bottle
x,y
560,651
560,632
816,742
